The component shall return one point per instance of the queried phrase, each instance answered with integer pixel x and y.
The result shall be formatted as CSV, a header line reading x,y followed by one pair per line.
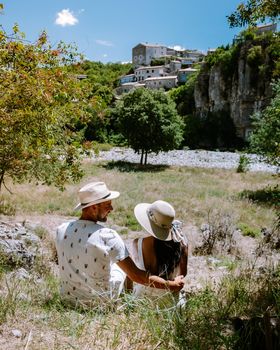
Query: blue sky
x,y
107,30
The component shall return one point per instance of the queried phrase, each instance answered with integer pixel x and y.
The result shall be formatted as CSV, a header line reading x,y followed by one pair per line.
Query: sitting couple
x,y
94,261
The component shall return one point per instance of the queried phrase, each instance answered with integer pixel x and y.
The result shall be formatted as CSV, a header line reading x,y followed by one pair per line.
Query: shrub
x,y
243,165
265,137
249,231
255,56
217,234
269,195
7,208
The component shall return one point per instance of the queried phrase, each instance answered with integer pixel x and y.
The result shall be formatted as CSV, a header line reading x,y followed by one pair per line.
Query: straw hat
x,y
95,193
156,218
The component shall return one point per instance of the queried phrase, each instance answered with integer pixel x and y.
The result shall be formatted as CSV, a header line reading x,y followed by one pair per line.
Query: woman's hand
x,y
177,284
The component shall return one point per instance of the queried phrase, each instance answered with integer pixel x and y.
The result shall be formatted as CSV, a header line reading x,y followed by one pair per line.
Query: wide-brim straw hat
x,y
156,218
95,193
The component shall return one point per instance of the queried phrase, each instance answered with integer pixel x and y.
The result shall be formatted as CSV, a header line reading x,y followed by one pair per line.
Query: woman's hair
x,y
168,254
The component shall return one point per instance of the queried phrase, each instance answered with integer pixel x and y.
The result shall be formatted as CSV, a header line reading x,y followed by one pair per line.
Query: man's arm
x,y
143,277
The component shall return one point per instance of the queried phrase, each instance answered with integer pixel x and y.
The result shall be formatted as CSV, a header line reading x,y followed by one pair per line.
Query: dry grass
x,y
34,306
46,323
192,192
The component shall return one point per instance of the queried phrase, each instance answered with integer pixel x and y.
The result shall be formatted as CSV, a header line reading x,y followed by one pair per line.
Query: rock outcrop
x,y
18,245
239,87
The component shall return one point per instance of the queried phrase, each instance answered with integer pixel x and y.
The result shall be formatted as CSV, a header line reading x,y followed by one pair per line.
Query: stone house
x,y
144,53
129,78
142,73
126,87
167,82
184,73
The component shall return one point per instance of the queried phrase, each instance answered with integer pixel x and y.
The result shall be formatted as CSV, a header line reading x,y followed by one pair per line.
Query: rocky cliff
x,y
237,81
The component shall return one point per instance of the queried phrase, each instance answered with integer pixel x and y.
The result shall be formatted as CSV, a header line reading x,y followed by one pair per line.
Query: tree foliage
x,y
254,11
149,121
39,105
183,96
265,139
103,78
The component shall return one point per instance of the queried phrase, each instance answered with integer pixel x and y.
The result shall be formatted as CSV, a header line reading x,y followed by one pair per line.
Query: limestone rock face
x,y
239,93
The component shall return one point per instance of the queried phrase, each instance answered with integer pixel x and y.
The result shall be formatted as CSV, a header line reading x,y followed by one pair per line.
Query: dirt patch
x,y
202,270
47,221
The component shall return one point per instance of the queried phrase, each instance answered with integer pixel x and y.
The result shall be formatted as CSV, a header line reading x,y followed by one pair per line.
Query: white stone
x,y
16,333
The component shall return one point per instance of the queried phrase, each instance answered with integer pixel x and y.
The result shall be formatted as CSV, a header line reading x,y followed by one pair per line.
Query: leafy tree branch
x,y
254,11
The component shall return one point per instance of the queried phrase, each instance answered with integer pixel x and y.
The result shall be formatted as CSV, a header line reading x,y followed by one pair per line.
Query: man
x,y
93,259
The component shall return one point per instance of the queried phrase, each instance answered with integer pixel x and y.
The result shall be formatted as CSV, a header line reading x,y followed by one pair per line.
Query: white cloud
x,y
66,18
105,55
104,42
178,47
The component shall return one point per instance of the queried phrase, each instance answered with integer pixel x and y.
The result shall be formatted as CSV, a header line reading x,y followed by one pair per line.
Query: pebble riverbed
x,y
191,158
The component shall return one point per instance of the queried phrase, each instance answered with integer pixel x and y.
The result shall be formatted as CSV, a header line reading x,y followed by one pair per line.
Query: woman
x,y
165,251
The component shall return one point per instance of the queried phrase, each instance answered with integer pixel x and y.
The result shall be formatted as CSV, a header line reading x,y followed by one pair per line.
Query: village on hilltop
x,y
159,67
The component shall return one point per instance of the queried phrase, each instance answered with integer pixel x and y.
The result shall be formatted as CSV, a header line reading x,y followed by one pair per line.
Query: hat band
x,y
109,194
152,217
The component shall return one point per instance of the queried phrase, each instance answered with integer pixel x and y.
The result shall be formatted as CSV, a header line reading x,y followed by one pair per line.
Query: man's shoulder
x,y
65,224
78,222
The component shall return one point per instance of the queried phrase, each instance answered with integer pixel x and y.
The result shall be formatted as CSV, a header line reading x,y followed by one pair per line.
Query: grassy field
x,y
34,307
248,197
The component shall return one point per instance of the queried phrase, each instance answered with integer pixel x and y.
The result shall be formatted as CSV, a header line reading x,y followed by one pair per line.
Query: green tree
x,y
103,78
254,11
265,139
149,121
40,103
183,96
103,75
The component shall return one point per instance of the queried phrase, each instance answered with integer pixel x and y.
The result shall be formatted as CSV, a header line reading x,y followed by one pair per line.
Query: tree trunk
x,y
142,156
2,179
146,156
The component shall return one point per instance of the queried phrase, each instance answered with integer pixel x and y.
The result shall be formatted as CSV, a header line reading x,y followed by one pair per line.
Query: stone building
x,y
144,53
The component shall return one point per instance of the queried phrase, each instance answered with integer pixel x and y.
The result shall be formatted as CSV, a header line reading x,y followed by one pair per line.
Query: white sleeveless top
x,y
140,290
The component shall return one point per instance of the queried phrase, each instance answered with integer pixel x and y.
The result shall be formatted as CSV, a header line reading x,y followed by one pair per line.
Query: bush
x,y
249,231
265,137
226,58
255,56
243,165
7,208
242,314
269,195
217,233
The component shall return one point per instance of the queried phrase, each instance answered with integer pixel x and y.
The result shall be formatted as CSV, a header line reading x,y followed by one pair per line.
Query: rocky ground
x,y
195,158
17,234
201,269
